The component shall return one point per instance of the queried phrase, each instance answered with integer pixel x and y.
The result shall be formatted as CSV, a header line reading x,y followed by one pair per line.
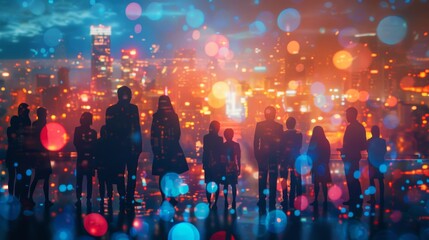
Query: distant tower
x,y
129,68
101,63
63,78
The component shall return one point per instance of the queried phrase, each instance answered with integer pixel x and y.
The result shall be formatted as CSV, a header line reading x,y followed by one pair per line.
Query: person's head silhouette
x,y
214,127
124,94
164,103
14,121
86,119
375,131
41,113
291,123
318,133
351,114
270,113
23,109
228,134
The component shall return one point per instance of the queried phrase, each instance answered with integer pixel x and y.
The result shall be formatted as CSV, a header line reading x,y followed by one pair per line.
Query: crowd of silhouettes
x,y
115,153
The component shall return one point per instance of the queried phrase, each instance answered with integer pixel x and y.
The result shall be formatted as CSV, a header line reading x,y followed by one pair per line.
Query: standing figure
x,y
319,151
43,168
85,140
165,135
376,162
102,159
291,145
23,175
354,142
214,170
232,154
12,153
123,127
266,147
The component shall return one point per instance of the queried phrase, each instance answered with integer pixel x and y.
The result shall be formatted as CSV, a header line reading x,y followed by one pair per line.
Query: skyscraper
x,y
101,62
129,67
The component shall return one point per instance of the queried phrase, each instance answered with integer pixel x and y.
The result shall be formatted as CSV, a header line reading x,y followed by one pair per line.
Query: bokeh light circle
x,y
212,187
293,85
347,37
300,202
166,211
293,47
201,210
276,221
211,49
317,88
319,101
37,8
215,102
52,37
391,121
10,207
342,59
357,230
334,192
95,224
154,11
392,30
220,89
196,34
289,20
257,28
183,188
133,11
170,184
336,119
406,82
184,230
53,136
391,101
352,95
195,18
138,28
363,96
303,164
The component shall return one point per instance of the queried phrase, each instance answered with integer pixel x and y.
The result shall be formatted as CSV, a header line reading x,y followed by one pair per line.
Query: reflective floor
x,y
405,214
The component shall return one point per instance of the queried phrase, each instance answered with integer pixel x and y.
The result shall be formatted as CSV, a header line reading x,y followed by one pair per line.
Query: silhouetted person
x,y
291,145
123,125
42,168
165,135
214,170
232,154
103,159
12,153
85,140
354,142
376,159
23,176
319,150
266,147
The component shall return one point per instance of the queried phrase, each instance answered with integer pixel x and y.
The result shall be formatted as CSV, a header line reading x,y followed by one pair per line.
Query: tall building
x,y
129,69
101,62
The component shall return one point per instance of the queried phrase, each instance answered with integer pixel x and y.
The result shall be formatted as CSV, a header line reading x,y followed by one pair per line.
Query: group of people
x,y
26,156
277,153
115,155
221,163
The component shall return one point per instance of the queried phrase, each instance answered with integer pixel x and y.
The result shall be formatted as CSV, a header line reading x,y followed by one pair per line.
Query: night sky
x,y
60,28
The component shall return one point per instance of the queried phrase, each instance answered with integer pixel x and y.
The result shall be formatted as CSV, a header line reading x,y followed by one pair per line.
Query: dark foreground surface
x,y
403,216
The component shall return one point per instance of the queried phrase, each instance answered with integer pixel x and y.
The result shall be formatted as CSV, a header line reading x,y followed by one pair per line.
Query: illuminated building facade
x,y
129,69
101,62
